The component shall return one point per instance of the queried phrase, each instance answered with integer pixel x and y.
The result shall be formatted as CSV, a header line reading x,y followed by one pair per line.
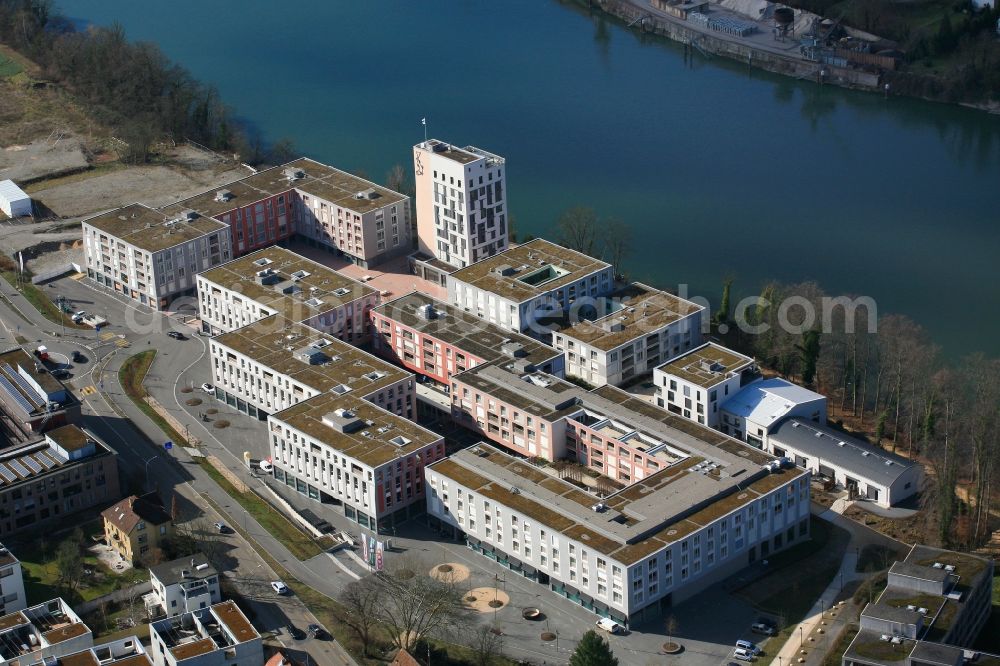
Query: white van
x,y
748,646
610,626
266,466
743,655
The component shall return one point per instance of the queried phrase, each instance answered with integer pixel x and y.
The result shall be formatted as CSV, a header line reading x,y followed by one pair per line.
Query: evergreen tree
x,y
593,651
809,350
722,316
880,428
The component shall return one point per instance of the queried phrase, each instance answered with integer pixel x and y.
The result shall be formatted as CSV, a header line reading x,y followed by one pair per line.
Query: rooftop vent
x,y
299,275
399,440
263,261
426,311
513,349
514,490
367,195
600,507
705,364
441,147
293,174
341,291
223,196
949,568
922,611
374,375
340,389
504,269
313,302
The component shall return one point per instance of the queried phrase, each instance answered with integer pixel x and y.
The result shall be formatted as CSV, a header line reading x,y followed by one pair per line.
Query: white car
x,y
610,626
266,466
207,388
279,587
743,655
748,646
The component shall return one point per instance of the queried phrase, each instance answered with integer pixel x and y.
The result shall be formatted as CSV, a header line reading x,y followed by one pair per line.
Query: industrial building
x,y
219,635
525,287
935,604
868,472
633,330
461,203
276,281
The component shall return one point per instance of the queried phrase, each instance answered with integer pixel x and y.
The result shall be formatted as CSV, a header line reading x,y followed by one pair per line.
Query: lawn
x,y
41,301
835,656
131,376
300,544
8,67
41,571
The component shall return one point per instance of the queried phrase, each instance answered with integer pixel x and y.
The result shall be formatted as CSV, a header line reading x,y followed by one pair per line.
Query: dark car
x,y
78,357
176,336
60,374
296,633
317,631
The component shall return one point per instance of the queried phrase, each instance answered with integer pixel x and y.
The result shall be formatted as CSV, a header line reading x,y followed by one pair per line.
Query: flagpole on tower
x,y
424,122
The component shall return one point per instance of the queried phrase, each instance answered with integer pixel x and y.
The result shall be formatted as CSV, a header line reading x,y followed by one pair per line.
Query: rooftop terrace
x,y
331,363
635,311
154,230
357,429
205,630
287,283
529,270
463,156
707,365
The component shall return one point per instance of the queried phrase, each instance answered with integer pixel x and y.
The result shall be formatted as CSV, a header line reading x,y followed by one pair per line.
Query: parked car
x,y
266,466
78,357
296,633
748,646
176,335
610,626
222,528
743,655
762,628
61,373
316,631
279,587
207,388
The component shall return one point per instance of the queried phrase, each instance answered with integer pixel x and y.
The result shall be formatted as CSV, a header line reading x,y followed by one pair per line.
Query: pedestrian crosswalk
x,y
107,335
88,390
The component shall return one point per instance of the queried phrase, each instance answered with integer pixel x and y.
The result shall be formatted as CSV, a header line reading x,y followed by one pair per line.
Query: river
x,y
720,171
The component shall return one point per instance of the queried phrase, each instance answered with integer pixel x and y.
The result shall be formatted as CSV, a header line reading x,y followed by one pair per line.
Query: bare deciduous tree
x,y
360,599
485,644
414,606
577,229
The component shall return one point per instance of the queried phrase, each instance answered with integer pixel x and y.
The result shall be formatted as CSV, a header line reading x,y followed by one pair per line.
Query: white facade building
x,y
869,472
695,384
520,288
42,634
219,635
13,201
151,257
272,365
345,451
276,281
636,329
757,409
12,596
461,202
632,554
181,586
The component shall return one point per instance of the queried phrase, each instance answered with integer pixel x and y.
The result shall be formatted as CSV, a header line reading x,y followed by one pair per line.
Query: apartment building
x,y
634,553
525,287
437,340
695,384
276,281
868,472
935,604
152,256
271,365
32,399
43,633
181,586
632,331
219,635
137,525
461,202
757,409
12,597
127,651
328,208
345,451
66,471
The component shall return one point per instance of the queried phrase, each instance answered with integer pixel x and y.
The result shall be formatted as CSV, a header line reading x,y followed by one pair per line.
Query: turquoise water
x,y
720,171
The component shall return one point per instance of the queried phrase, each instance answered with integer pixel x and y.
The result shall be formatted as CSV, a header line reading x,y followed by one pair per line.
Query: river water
x,y
720,171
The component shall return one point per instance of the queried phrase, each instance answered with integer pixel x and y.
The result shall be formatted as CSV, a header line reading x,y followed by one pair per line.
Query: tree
x,y
593,650
415,606
485,645
722,316
880,428
809,350
361,602
617,237
577,229
396,179
69,562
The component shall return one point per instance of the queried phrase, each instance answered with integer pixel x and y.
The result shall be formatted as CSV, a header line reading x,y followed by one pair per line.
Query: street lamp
x,y
801,640
147,468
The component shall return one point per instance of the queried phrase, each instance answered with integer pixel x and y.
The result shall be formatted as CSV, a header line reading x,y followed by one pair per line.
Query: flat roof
x,y
37,459
833,447
230,615
707,365
386,438
869,647
456,327
643,311
634,524
273,342
452,152
314,288
504,274
195,567
193,648
70,437
12,359
319,180
970,568
153,230
6,556
769,400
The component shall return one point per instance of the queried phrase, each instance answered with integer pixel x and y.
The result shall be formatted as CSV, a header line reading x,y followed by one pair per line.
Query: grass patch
x,y
130,376
298,543
835,656
41,302
876,557
93,172
8,67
